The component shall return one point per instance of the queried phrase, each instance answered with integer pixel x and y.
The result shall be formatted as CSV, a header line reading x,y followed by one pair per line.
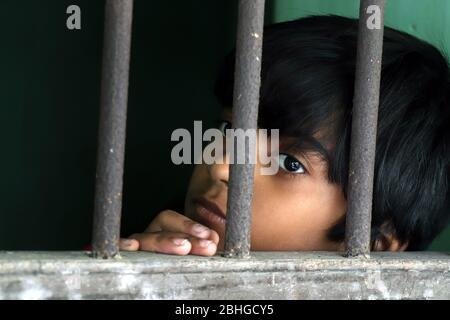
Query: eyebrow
x,y
305,145
301,145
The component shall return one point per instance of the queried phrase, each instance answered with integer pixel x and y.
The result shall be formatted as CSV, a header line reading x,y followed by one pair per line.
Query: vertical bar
x,y
364,127
245,115
112,126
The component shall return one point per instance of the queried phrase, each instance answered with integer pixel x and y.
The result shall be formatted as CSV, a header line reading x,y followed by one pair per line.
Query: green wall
x,y
427,19
49,95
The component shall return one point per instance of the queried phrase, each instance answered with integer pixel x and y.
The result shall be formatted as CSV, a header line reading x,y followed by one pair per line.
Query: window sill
x,y
266,275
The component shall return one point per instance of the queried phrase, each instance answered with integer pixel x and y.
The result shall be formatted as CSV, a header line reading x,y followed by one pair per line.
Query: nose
x,y
220,172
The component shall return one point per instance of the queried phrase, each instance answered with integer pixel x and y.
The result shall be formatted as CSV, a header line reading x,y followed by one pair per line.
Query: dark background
x,y
49,95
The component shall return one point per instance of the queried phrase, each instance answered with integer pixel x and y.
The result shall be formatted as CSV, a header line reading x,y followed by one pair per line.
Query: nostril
x,y
219,173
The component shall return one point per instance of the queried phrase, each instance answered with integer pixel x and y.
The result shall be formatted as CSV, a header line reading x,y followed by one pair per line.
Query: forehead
x,y
316,158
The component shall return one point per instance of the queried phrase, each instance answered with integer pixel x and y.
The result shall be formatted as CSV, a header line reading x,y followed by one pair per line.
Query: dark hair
x,y
307,84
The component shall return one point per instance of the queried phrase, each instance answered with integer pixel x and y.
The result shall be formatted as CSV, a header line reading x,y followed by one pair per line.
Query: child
x,y
307,84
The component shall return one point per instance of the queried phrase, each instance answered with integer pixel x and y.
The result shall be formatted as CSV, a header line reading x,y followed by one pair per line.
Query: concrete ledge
x,y
266,275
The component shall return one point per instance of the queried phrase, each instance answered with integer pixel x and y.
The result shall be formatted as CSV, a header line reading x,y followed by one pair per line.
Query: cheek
x,y
296,210
305,200
197,184
198,178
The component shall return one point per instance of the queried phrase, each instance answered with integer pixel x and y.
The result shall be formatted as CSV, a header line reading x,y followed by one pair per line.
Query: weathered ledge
x,y
266,275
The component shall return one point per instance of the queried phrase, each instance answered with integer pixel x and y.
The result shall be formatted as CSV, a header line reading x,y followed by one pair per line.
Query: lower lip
x,y
208,215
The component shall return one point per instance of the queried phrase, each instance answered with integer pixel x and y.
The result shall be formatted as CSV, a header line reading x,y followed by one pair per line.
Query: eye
x,y
290,164
223,126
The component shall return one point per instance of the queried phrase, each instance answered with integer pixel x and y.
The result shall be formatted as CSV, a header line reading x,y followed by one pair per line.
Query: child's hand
x,y
173,233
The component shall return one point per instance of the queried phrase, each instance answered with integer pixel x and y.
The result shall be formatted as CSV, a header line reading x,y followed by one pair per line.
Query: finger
x,y
128,244
203,247
164,242
172,221
214,237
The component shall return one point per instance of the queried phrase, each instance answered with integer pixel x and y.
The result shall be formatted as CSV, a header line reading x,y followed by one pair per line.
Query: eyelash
x,y
221,125
292,174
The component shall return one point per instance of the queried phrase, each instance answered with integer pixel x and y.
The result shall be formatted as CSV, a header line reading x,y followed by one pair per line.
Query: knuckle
x,y
168,213
188,223
135,236
165,216
159,236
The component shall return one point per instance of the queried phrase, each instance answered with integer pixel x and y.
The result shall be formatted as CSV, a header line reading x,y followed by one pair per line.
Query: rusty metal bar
x,y
364,127
112,127
245,115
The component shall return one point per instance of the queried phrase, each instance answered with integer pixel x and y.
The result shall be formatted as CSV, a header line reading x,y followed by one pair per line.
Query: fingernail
x,y
179,242
198,228
204,243
126,242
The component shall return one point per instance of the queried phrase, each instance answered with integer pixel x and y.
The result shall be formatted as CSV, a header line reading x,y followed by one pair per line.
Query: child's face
x,y
291,210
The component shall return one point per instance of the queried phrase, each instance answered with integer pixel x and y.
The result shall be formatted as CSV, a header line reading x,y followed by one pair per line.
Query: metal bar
x,y
245,115
364,127
112,127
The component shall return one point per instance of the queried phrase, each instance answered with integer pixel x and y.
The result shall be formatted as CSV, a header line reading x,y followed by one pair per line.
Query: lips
x,y
209,211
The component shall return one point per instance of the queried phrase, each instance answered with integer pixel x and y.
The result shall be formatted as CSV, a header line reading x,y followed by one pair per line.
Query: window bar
x,y
364,127
112,126
245,115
